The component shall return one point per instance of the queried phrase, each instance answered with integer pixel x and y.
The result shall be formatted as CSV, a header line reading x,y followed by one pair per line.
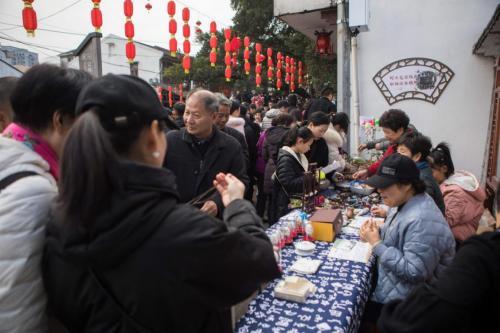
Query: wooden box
x,y
326,223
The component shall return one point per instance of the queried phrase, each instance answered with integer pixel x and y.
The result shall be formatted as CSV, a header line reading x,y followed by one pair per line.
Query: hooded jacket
x,y
273,140
24,212
268,118
463,198
288,180
150,264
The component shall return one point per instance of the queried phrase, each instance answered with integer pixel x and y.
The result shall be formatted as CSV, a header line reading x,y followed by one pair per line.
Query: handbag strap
x,y
4,183
117,305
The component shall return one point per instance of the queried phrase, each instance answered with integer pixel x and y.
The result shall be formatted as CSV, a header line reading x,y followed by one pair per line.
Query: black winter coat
x,y
289,182
241,139
272,145
318,153
320,104
150,264
195,174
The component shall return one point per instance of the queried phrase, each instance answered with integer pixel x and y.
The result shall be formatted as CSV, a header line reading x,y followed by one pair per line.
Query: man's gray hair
x,y
208,99
223,100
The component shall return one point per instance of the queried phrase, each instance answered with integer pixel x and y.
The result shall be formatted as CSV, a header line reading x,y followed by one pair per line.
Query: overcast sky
x,y
150,28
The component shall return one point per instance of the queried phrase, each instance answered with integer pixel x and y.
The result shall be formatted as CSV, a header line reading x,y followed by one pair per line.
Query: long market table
x,y
343,287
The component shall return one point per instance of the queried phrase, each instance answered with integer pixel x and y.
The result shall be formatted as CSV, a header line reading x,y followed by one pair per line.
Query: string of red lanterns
x,y
292,74
246,54
170,99
128,9
96,15
301,78
186,32
235,48
172,28
227,58
159,90
270,70
279,65
258,66
213,43
29,18
180,93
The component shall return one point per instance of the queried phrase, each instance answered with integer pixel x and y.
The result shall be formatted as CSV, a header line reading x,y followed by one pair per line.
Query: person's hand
x,y
378,146
361,147
210,208
379,211
361,174
369,232
229,187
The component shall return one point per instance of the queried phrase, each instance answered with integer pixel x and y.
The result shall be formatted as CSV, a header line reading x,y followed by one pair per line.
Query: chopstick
x,y
198,200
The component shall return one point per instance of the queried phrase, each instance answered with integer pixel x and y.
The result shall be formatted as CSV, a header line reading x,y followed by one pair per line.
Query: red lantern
x,y
172,28
258,47
258,69
129,29
130,51
171,8
148,7
96,18
213,43
186,32
323,46
258,80
247,68
227,58
279,84
29,18
185,14
186,64
128,8
235,46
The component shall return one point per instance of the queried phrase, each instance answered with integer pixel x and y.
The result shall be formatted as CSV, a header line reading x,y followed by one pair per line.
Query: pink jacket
x,y
463,198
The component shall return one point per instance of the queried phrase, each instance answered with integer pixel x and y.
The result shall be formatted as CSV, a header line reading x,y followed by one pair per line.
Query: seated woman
x,y
418,147
335,137
122,255
414,244
289,176
462,194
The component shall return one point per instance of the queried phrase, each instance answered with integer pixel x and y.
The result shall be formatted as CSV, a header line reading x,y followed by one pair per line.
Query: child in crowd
x,y
463,196
418,147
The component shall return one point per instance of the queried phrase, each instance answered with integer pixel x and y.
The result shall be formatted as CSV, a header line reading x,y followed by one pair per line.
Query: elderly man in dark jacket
x,y
324,103
198,152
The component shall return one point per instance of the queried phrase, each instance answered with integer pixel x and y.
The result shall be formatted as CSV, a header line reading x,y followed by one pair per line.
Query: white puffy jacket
x,y
24,209
334,140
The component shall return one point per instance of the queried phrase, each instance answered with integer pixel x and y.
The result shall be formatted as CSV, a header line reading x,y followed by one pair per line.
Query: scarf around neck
x,y
36,143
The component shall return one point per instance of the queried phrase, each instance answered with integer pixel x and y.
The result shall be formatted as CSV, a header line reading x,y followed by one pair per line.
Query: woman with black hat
x,y
414,244
122,255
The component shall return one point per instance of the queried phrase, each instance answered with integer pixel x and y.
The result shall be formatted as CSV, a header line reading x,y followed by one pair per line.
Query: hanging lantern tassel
x,y
128,9
258,66
227,58
213,43
186,32
159,92
29,18
180,93
170,100
301,78
96,16
246,54
172,28
279,65
270,69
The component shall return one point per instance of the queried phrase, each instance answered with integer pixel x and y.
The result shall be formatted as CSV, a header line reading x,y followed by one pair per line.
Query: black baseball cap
x,y
122,101
394,169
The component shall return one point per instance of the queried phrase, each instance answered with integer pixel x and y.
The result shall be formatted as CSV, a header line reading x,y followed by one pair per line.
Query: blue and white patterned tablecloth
x,y
337,306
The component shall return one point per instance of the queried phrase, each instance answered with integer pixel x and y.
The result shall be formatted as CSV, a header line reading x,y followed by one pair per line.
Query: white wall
x,y
282,7
114,59
445,31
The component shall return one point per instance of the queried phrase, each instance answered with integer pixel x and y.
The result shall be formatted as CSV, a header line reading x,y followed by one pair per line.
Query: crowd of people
x,y
118,214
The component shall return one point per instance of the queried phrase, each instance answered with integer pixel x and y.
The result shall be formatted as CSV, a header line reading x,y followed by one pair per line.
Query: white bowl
x,y
305,246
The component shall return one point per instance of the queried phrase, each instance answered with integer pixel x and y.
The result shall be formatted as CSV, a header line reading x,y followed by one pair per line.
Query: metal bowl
x,y
356,187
